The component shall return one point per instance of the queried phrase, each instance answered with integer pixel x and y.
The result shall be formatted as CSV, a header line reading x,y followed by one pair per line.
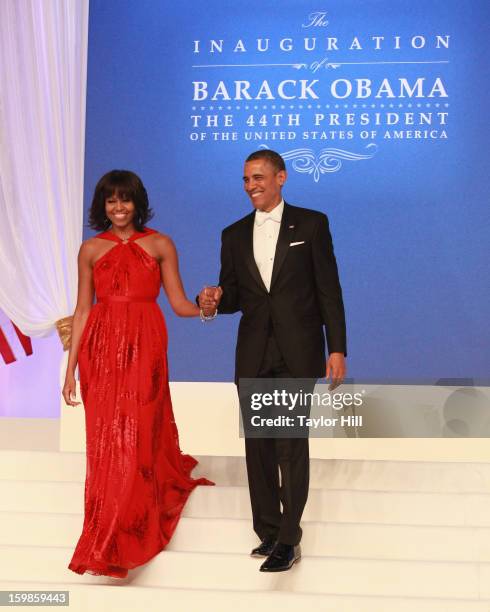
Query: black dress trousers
x,y
278,469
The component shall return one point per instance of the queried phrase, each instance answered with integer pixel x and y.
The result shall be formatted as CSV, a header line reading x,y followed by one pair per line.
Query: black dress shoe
x,y
265,548
282,558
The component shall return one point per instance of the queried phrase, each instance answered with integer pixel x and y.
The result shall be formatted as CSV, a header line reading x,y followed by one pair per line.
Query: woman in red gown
x,y
137,479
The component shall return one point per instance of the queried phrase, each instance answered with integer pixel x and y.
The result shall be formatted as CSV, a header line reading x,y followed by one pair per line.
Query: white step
x,y
348,540
128,598
401,476
442,509
39,496
40,465
29,434
237,572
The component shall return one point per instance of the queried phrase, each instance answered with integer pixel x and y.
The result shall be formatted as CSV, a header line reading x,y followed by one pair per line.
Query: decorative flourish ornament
x,y
306,161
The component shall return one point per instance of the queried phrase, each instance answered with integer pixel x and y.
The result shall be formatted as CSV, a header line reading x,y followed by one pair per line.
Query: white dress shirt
x,y
266,233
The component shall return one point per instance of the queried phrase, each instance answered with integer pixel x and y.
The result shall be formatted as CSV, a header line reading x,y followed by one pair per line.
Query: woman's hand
x,y
70,390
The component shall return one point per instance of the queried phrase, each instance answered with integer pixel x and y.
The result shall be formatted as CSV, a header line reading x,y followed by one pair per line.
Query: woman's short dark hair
x,y
124,184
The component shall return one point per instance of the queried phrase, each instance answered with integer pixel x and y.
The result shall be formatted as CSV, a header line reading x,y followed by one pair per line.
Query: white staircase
x,y
378,536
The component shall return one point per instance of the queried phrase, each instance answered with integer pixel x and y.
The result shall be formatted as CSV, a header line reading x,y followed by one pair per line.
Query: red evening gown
x,y
137,478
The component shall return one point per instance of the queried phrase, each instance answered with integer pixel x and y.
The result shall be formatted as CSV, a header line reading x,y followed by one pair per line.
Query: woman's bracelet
x,y
205,318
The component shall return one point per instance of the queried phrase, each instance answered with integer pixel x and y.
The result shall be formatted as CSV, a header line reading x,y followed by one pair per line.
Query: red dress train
x,y
137,479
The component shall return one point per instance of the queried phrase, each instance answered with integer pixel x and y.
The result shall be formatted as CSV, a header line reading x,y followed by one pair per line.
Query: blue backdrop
x,y
380,110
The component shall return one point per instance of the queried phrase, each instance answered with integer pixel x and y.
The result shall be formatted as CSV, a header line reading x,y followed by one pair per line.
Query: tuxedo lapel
x,y
248,250
286,233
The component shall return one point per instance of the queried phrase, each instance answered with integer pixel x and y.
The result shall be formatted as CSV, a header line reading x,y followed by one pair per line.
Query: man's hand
x,y
336,369
209,299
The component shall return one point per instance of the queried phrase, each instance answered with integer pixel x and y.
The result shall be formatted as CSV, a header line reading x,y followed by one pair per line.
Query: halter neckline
x,y
109,235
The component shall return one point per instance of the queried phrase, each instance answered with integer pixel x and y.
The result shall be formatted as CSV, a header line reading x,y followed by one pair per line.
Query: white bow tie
x,y
261,217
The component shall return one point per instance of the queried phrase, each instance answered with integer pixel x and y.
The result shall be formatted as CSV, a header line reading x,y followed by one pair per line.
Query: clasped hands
x,y
209,299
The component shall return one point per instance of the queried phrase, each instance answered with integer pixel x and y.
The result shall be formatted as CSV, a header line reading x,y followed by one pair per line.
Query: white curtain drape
x,y
43,65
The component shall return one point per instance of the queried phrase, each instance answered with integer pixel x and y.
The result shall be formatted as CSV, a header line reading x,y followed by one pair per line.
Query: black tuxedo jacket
x,y
305,295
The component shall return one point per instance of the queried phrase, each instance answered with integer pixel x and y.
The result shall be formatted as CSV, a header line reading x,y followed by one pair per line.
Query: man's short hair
x,y
271,156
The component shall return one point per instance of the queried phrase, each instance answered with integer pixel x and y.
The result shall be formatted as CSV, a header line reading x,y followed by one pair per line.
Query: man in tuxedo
x,y
278,268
